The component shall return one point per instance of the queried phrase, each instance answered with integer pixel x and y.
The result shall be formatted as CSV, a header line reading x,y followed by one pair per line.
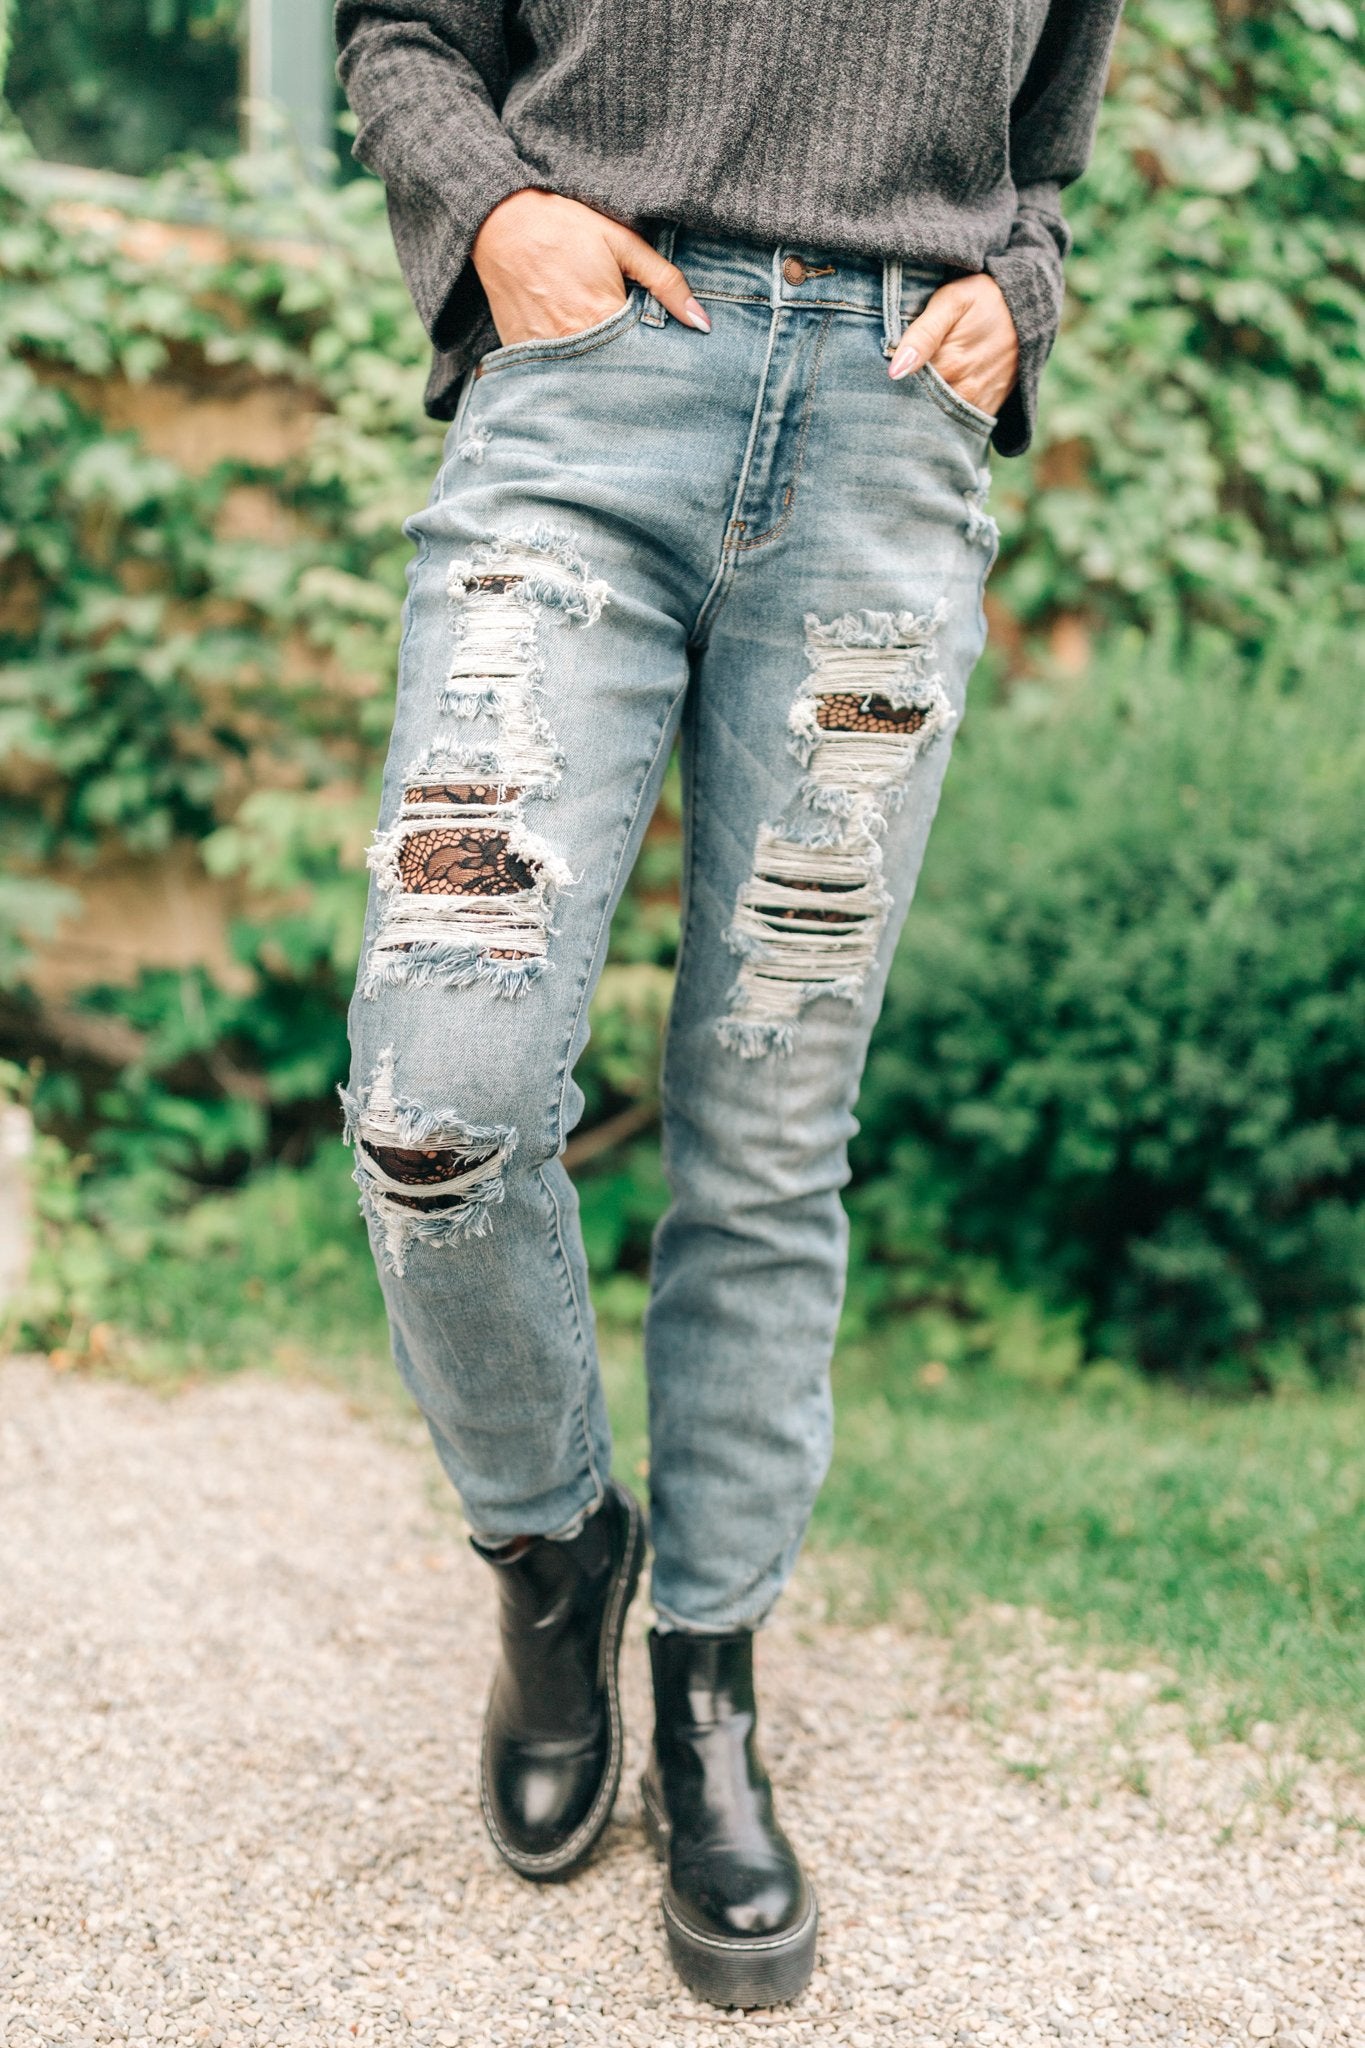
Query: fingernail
x,y
693,313
904,364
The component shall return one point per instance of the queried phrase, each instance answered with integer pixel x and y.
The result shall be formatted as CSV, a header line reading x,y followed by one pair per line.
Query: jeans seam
x,y
828,305
953,407
545,353
564,1083
418,564
711,603
585,1428
674,701
457,420
759,540
687,896
656,313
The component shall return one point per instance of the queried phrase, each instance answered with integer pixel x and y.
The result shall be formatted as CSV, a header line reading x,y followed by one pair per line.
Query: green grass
x,y
277,1276
1225,1539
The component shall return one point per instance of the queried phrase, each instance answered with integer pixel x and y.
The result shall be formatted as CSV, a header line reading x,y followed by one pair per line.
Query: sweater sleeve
x,y
426,80
1052,132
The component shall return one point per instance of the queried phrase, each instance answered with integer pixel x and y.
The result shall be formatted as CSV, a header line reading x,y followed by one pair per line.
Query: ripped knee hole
x,y
423,1175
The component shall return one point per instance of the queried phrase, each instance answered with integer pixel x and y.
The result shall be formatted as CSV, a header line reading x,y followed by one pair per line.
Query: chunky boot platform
x,y
739,1915
550,1764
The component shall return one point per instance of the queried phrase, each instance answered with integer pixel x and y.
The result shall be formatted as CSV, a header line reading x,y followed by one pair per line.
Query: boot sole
x,y
551,1866
770,1969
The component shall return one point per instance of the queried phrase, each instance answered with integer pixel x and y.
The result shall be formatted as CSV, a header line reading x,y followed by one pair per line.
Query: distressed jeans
x,y
755,542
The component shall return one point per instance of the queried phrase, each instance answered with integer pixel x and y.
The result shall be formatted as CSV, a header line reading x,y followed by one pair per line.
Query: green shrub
x,y
166,677
123,84
1121,1049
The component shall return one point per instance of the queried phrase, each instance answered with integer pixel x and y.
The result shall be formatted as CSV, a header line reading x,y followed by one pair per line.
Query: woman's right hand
x,y
551,266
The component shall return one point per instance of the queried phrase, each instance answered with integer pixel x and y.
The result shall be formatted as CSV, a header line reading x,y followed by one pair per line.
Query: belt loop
x,y
655,314
892,324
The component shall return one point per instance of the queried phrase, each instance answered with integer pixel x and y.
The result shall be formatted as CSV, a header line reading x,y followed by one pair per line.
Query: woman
x,y
727,303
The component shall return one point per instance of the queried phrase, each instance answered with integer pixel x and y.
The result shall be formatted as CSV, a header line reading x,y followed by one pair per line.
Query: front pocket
x,y
954,404
556,346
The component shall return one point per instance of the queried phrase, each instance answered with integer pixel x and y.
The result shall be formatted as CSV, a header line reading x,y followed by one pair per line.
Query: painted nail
x,y
693,313
904,364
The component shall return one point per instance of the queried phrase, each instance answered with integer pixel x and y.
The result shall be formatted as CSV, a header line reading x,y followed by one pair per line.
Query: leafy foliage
x,y
201,653
1120,1054
1199,447
123,84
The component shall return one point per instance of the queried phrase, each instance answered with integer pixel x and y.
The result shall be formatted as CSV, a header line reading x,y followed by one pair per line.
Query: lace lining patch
x,y
469,888
424,1176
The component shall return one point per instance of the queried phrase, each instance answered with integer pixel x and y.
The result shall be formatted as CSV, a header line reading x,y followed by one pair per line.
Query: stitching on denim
x,y
560,1133
824,305
789,503
543,352
586,1354
419,562
948,402
687,900
604,920
893,319
656,313
729,556
451,443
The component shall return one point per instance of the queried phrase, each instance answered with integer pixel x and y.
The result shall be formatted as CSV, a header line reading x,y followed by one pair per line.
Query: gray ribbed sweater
x,y
933,130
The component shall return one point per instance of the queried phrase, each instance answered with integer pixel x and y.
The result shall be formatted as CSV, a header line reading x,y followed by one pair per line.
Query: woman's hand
x,y
967,333
551,266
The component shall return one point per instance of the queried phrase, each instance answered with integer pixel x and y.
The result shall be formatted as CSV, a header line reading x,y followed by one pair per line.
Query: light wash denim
x,y
754,540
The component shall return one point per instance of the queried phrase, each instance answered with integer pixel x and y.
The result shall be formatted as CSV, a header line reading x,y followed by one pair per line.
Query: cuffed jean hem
x,y
565,1533
668,1624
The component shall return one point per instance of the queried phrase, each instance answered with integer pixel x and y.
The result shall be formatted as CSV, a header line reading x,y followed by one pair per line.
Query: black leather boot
x,y
552,1736
740,1918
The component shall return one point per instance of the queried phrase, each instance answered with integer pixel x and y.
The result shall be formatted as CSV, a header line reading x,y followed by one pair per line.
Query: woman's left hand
x,y
967,333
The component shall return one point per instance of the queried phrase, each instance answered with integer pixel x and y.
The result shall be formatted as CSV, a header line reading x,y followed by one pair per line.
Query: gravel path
x,y
243,1650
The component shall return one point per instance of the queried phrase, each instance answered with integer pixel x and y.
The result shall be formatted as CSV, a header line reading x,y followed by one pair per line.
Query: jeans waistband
x,y
798,276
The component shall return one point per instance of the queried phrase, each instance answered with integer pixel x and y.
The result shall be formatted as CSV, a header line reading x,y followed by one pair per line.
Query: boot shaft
x,y
551,1598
